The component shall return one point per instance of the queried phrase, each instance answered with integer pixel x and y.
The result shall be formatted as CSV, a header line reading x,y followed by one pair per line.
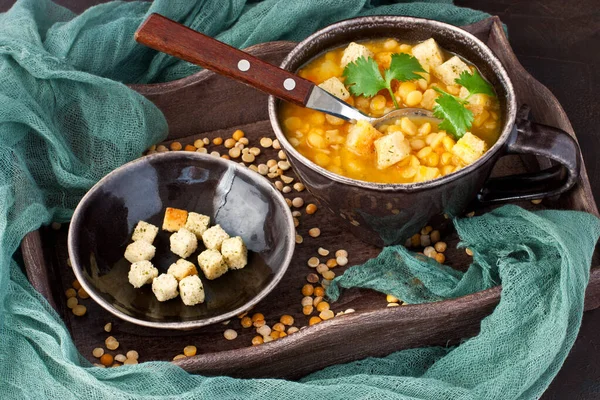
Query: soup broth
x,y
407,150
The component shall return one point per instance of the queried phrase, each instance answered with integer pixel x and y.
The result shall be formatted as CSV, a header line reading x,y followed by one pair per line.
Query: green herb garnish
x,y
475,83
364,78
457,118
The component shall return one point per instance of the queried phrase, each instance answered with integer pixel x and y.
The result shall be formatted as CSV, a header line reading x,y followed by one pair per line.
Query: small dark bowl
x,y
243,202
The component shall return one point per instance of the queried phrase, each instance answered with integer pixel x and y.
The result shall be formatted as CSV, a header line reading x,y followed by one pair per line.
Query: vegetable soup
x,y
377,77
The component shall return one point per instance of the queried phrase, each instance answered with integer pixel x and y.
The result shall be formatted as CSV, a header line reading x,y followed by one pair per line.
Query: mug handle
x,y
540,140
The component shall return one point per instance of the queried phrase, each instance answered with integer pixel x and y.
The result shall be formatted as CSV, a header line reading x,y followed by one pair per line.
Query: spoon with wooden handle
x,y
168,36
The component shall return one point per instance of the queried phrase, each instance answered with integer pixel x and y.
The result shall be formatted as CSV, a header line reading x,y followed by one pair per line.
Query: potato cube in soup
x,y
139,251
391,149
197,223
144,231
181,269
174,219
213,237
428,53
335,87
212,263
234,252
451,70
183,243
361,138
141,273
191,290
469,148
353,52
426,173
165,287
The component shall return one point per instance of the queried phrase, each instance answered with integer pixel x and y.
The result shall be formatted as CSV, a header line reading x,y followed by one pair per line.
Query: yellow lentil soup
x,y
408,150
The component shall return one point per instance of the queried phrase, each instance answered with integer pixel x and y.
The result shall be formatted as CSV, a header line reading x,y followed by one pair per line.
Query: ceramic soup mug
x,y
386,214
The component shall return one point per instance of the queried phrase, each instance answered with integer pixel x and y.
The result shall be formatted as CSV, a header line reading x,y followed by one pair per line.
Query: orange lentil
x,y
279,327
189,147
314,320
175,146
246,322
217,141
311,208
238,134
308,289
256,340
307,310
331,262
106,359
76,285
322,306
287,320
257,316
319,291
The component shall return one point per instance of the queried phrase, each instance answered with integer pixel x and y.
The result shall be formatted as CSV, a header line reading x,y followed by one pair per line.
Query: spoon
x,y
168,36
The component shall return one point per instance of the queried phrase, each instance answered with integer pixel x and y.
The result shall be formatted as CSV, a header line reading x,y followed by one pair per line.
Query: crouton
x,y
183,243
141,273
234,252
428,53
335,87
144,231
139,251
197,224
449,71
191,290
165,287
175,219
469,148
391,149
361,138
181,269
213,237
353,52
211,262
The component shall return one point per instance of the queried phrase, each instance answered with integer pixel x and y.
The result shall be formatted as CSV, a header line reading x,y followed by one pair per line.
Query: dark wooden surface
x,y
557,41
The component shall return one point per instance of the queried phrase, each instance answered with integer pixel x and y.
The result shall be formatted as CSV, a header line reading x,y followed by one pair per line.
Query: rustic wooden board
x,y
206,105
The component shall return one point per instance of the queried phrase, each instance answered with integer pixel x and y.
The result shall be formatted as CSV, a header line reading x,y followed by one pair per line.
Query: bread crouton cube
x,y
181,269
141,273
428,53
144,231
353,52
234,252
139,251
335,87
213,237
212,263
183,243
361,137
197,223
391,149
426,173
449,71
165,287
174,219
469,148
191,290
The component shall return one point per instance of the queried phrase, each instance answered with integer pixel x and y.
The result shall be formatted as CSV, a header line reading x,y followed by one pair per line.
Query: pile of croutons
x,y
222,254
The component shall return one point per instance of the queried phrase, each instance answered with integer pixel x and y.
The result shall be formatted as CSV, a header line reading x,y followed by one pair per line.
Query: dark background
x,y
558,42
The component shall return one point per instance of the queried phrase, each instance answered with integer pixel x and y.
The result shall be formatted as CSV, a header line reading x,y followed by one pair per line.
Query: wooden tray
x,y
207,105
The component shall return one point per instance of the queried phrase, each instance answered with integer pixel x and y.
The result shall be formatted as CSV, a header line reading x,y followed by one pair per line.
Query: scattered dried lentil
x,y
179,357
256,340
175,146
79,310
133,355
312,278
120,358
72,302
98,352
108,327
326,314
230,334
314,320
111,343
106,359
341,261
70,292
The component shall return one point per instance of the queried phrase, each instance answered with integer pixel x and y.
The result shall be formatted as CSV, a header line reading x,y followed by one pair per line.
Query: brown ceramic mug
x,y
386,214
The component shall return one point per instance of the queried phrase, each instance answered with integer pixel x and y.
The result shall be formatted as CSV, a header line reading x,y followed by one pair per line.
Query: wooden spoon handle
x,y
163,34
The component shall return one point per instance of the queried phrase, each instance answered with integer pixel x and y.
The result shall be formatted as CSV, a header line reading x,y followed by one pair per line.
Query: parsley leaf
x,y
363,77
457,119
403,68
475,83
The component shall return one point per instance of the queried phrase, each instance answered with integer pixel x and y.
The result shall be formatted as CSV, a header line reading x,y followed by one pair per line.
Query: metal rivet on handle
x,y
244,65
289,84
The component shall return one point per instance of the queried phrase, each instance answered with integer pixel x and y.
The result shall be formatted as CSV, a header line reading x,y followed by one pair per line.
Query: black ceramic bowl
x,y
244,203
386,214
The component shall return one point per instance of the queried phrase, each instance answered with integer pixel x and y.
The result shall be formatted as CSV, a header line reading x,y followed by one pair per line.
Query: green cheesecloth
x,y
66,120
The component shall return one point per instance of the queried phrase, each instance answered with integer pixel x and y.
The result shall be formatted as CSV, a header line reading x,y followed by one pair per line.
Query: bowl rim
x,y
356,24
183,325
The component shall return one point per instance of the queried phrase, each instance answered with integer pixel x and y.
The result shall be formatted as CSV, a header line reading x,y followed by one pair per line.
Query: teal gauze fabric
x,y
67,119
